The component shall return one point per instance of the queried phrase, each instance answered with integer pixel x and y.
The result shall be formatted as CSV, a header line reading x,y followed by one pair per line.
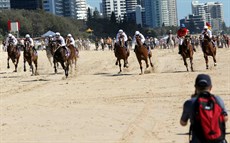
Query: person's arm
x,y
221,103
186,113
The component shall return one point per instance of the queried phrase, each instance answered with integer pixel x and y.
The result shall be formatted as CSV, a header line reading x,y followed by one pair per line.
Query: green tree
x,y
113,18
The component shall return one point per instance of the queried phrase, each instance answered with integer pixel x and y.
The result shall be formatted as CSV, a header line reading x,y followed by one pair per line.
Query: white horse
x,y
170,43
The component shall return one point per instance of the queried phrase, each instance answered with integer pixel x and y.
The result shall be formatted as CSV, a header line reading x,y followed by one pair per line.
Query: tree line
x,y
37,22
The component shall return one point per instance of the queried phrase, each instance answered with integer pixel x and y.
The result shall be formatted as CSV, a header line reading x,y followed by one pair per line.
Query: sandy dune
x,y
98,105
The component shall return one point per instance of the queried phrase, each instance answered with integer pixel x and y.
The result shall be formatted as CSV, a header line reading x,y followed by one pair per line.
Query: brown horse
x,y
208,50
13,54
30,56
187,52
142,53
61,55
73,53
109,42
121,53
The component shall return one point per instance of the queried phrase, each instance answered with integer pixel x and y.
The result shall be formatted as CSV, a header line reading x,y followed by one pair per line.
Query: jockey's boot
x,y
180,48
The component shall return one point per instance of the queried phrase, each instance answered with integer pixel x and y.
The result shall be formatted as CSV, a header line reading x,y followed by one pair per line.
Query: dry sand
x,y
98,105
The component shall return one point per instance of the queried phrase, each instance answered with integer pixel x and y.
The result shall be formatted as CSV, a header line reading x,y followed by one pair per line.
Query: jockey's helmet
x,y
205,27
27,36
50,36
69,35
120,31
182,26
137,33
10,35
57,34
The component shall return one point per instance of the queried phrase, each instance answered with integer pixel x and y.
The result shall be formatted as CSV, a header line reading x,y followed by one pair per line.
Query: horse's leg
x,y
191,63
139,61
16,64
65,68
36,66
214,57
31,67
8,65
150,60
55,65
24,63
119,62
185,63
206,60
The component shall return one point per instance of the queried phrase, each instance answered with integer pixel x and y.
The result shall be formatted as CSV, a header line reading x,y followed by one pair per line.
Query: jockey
x,y
28,38
72,41
208,32
60,40
12,39
181,33
122,33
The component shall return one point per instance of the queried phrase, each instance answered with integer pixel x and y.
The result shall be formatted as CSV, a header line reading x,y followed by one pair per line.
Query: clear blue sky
x,y
184,7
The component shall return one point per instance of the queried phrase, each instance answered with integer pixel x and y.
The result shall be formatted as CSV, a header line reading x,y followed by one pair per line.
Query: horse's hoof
x,y
15,71
8,67
215,64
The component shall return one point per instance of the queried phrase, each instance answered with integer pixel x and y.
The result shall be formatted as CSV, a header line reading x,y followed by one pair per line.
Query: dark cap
x,y
203,80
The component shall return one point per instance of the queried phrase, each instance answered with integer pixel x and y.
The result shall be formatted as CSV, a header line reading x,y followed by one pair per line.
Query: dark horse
x,y
142,53
73,53
209,50
13,54
187,52
121,52
61,55
30,56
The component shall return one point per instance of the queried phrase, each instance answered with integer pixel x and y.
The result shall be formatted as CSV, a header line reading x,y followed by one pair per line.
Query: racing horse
x,y
142,53
49,51
61,55
13,54
208,49
30,56
73,53
121,53
187,52
109,42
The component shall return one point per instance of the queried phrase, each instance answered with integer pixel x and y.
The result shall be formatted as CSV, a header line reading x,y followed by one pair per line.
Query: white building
x,y
69,8
211,11
160,12
116,6
5,4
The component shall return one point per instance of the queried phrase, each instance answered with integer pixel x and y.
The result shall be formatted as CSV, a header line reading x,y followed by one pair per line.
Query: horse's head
x,y
27,46
187,41
122,40
138,40
53,46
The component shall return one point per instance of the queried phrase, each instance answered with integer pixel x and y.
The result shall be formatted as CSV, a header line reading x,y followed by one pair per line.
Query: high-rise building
x,y
172,8
68,8
80,9
116,6
5,4
211,11
131,5
25,4
160,12
198,8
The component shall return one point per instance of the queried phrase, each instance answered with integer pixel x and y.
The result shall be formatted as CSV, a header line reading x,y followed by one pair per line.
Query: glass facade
x,y
26,4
